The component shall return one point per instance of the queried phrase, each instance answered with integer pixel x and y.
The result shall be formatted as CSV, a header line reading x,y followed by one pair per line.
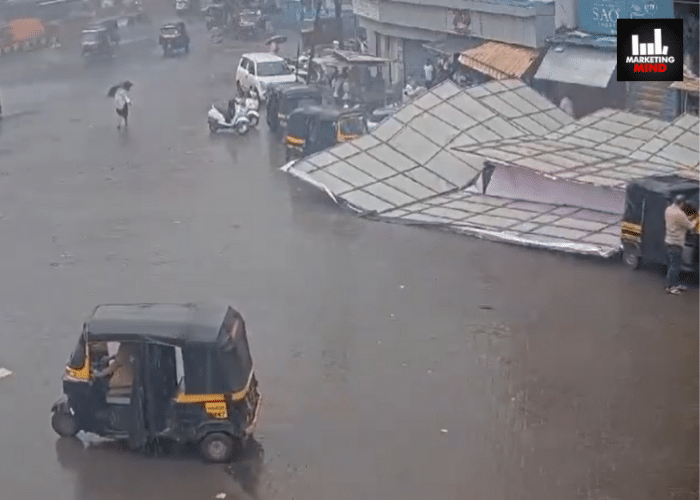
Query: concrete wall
x,y
565,13
390,48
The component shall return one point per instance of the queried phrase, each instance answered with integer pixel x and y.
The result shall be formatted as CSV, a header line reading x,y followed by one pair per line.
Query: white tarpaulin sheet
x,y
425,165
528,185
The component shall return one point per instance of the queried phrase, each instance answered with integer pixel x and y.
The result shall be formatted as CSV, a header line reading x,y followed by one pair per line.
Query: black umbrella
x,y
113,90
278,39
124,85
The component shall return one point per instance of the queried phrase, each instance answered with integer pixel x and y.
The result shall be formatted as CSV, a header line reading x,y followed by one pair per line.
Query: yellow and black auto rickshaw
x,y
286,97
215,16
95,44
162,372
644,226
174,37
315,128
110,24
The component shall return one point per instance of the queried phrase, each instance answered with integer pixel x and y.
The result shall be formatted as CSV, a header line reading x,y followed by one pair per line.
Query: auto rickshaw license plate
x,y
216,409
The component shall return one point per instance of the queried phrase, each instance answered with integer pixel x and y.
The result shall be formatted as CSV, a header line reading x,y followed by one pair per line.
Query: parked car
x,y
258,70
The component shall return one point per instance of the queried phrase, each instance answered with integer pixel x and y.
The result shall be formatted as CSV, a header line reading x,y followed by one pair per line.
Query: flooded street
x,y
394,362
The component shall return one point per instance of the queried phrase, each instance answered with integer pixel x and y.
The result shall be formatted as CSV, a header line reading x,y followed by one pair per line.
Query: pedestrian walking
x,y
429,73
677,226
120,92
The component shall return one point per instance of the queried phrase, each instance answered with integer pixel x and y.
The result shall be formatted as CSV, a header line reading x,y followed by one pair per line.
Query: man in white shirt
x,y
429,73
677,226
122,102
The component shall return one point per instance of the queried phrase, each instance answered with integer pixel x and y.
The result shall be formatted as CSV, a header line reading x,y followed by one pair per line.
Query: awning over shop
x,y
501,61
357,58
690,83
579,65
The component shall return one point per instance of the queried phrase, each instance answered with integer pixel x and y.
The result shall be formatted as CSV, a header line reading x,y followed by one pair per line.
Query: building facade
x,y
581,61
410,31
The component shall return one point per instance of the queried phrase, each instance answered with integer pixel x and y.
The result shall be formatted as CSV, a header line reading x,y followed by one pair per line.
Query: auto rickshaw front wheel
x,y
631,258
217,447
64,423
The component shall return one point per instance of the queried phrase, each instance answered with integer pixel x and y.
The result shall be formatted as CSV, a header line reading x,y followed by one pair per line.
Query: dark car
x,y
185,375
314,128
644,225
284,98
174,38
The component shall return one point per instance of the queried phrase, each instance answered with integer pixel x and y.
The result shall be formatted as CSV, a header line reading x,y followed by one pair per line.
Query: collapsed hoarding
x,y
475,161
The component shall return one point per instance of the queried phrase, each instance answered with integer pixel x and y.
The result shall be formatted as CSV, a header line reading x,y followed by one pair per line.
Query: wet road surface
x,y
394,362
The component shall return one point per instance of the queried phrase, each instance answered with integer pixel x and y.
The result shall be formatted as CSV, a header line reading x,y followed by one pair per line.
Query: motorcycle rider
x,y
231,110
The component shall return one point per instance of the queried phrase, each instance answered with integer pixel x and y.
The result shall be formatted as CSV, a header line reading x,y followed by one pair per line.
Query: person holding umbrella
x,y
275,42
122,101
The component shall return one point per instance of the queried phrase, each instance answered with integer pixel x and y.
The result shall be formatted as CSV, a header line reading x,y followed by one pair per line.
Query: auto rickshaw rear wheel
x,y
217,447
631,258
64,423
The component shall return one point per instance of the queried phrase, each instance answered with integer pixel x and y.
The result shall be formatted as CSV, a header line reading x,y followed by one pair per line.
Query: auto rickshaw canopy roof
x,y
176,324
296,89
666,185
215,353
326,113
178,25
95,29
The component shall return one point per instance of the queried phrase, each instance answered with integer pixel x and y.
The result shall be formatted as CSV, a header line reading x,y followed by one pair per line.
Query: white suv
x,y
258,70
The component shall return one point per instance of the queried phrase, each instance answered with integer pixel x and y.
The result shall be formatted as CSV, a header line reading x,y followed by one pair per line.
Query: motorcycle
x,y
250,109
217,121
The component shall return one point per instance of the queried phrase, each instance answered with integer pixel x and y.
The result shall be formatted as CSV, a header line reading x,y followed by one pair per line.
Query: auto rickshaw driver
x,y
120,371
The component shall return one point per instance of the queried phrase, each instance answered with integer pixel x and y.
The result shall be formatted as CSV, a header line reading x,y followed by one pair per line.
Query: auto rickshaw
x,y
644,227
314,128
174,37
248,24
112,27
215,16
284,98
183,372
96,43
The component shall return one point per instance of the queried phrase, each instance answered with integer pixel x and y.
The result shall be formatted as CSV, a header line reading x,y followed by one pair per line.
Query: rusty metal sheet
x,y
499,60
690,83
